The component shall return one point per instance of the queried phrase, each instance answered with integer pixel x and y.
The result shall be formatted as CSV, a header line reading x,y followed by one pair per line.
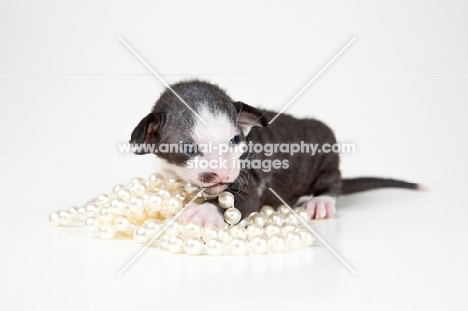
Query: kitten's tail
x,y
352,185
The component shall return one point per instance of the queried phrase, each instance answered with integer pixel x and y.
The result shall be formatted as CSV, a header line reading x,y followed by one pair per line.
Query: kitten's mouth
x,y
215,189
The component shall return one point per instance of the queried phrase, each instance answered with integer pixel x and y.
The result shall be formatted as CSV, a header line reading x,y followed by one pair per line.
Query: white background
x,y
70,91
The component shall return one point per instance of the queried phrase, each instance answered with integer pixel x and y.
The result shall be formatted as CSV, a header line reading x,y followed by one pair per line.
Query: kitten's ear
x,y
249,117
146,132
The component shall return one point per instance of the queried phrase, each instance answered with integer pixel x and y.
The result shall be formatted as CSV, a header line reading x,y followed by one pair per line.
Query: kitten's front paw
x,y
207,214
320,207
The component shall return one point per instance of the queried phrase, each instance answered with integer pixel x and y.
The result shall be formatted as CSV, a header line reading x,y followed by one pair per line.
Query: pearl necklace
x,y
143,208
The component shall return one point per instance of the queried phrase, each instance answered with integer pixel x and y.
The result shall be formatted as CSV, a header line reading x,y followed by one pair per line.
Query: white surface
x,y
396,93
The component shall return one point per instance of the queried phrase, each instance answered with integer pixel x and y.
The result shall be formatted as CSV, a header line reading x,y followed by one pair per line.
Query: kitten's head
x,y
201,144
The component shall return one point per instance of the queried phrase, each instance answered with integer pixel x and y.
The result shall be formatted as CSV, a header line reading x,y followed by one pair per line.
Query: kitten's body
x,y
220,121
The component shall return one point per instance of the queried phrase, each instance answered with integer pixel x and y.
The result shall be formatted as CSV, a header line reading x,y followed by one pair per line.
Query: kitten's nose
x,y
209,178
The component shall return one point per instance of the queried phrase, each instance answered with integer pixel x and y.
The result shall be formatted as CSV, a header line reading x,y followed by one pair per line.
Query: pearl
x,y
238,232
145,195
283,209
155,202
81,213
298,228
276,243
91,209
173,227
214,247
173,205
287,228
285,216
137,188
259,220
225,235
156,180
191,188
271,230
267,210
232,216
238,246
293,240
307,238
92,224
122,223
89,222
172,184
243,223
164,192
302,212
275,219
226,200
138,180
106,231
139,235
124,194
192,229
117,188
117,206
102,199
163,240
64,218
258,244
54,219
153,227
210,233
73,211
291,219
175,244
193,246
181,196
251,217
105,214
253,230
136,204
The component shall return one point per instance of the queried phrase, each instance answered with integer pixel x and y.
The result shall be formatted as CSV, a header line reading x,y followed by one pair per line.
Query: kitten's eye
x,y
235,140
189,149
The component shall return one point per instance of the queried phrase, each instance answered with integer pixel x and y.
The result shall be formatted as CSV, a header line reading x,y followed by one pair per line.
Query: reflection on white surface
x,y
182,267
186,267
